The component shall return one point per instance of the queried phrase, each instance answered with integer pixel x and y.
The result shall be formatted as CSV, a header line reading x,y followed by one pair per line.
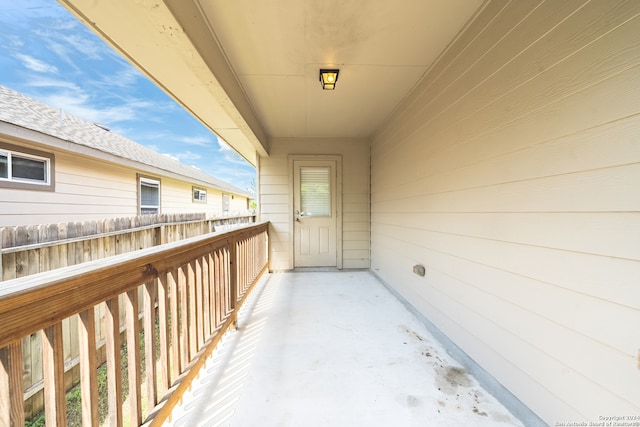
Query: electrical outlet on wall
x,y
419,270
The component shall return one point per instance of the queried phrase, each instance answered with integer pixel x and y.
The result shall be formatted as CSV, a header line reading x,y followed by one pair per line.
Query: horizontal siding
x,y
177,197
511,173
275,198
87,189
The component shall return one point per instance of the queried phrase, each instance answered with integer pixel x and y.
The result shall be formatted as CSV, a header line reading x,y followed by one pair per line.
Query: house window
x,y
149,196
199,195
25,168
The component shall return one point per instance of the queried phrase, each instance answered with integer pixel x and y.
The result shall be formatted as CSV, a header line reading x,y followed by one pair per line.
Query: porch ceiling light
x,y
328,78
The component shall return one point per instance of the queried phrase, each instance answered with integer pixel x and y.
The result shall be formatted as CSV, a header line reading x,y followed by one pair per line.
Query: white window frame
x,y
11,181
149,182
201,192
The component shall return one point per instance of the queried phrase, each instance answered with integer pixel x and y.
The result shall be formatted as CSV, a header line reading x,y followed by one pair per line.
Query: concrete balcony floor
x,y
333,349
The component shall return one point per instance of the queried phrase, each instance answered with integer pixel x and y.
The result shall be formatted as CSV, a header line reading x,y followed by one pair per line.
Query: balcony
x,y
311,348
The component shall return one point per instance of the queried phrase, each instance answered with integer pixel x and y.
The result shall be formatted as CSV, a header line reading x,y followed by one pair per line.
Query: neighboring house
x,y
56,167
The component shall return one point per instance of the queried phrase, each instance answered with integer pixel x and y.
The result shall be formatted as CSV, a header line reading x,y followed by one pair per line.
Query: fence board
x,y
8,260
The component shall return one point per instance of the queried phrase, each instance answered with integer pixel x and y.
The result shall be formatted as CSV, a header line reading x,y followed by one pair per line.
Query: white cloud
x,y
229,154
127,76
200,141
14,41
78,103
186,156
87,46
62,52
47,82
35,64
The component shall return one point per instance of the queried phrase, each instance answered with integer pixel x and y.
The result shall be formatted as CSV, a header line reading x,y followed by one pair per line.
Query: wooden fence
x,y
191,289
28,250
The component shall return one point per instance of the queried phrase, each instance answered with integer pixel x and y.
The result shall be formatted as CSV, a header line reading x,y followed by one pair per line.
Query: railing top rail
x,y
30,303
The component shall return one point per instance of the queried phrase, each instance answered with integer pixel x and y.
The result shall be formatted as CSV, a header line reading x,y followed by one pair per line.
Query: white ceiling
x,y
248,69
381,47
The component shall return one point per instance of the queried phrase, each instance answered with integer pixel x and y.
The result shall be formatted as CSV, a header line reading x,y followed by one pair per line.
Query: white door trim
x,y
337,158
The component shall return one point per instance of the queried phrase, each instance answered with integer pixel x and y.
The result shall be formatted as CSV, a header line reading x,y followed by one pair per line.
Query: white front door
x,y
315,213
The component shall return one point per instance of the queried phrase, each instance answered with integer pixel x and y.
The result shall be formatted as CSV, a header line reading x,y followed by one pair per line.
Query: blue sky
x,y
49,55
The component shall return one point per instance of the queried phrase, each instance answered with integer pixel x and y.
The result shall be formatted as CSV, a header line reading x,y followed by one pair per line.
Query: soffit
x,y
382,49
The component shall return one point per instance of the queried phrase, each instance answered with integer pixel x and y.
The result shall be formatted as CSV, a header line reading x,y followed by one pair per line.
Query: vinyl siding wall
x,y
274,197
176,197
512,173
90,189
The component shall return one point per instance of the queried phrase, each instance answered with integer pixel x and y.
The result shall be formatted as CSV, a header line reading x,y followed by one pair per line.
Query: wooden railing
x,y
27,250
191,292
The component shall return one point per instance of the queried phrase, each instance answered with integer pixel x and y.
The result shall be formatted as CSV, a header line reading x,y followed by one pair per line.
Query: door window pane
x,y
315,193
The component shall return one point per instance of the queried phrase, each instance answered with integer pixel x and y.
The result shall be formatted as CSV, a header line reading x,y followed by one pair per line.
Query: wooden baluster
x,y
239,269
218,280
114,371
222,285
133,355
184,323
53,360
11,404
149,342
163,332
233,275
206,296
247,261
246,264
199,310
192,313
227,264
212,291
176,365
88,367
251,261
239,261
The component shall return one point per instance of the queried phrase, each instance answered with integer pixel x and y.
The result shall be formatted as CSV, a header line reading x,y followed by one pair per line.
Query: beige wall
x,y
176,197
512,173
274,176
85,189
90,189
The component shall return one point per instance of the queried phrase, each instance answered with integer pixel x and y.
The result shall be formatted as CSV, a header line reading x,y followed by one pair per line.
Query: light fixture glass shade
x,y
328,78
